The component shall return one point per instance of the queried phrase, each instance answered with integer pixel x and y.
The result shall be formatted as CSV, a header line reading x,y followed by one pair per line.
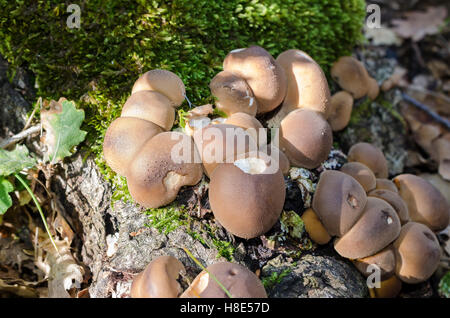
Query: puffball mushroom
x,y
374,88
361,173
389,288
250,124
233,94
124,138
441,147
262,73
307,86
305,137
339,201
351,75
395,201
164,164
386,184
151,106
384,260
247,196
417,253
237,280
315,228
164,82
197,118
426,204
277,154
371,156
341,105
158,279
377,227
218,142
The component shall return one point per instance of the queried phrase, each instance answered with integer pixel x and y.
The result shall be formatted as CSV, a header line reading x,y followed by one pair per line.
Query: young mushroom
x,y
233,94
247,196
250,124
374,88
305,137
123,140
164,164
384,261
158,279
235,278
386,184
341,105
275,153
164,82
426,204
361,173
371,156
389,288
197,118
307,86
262,73
395,200
351,75
315,228
417,253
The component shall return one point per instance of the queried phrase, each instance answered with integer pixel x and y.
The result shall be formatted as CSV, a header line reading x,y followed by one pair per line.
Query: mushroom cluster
x,y
376,221
160,279
138,144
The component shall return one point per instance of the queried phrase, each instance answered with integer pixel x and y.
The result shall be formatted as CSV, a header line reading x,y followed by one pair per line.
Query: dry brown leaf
x,y
417,24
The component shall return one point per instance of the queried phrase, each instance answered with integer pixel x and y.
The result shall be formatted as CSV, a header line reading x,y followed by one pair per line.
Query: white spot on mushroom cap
x,y
389,220
172,180
251,165
219,120
237,50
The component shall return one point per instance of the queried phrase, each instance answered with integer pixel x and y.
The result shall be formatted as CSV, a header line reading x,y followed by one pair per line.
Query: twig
x,y
32,114
12,140
427,110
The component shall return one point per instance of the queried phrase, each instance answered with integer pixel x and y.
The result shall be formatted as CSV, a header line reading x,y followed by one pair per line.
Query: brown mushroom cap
x,y
339,201
384,260
233,94
277,154
386,184
250,124
395,200
124,138
341,105
441,147
151,106
371,156
425,203
373,89
389,288
238,280
218,142
247,196
305,137
351,75
155,177
417,253
315,228
158,279
361,173
377,227
262,73
307,86
164,82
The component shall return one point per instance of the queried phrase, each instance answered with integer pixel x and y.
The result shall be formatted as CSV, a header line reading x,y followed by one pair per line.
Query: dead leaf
x,y
417,24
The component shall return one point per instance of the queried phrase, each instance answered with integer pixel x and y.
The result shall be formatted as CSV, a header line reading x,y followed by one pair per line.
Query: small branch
x,y
427,110
24,134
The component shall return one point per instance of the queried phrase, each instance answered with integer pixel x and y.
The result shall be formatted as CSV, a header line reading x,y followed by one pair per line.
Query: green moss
x,y
166,219
97,64
444,286
275,278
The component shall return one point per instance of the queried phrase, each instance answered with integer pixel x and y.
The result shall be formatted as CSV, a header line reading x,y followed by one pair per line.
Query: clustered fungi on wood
x,y
160,280
376,220
389,224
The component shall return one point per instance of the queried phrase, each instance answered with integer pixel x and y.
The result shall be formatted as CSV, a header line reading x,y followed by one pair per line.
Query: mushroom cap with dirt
x,y
426,204
219,142
164,164
305,137
158,279
341,105
371,156
236,279
377,227
395,200
151,106
417,253
247,196
123,140
262,73
164,82
361,173
233,94
339,201
307,85
351,75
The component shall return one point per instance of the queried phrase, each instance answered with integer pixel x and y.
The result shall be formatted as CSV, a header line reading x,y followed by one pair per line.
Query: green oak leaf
x,y
14,161
5,200
62,125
